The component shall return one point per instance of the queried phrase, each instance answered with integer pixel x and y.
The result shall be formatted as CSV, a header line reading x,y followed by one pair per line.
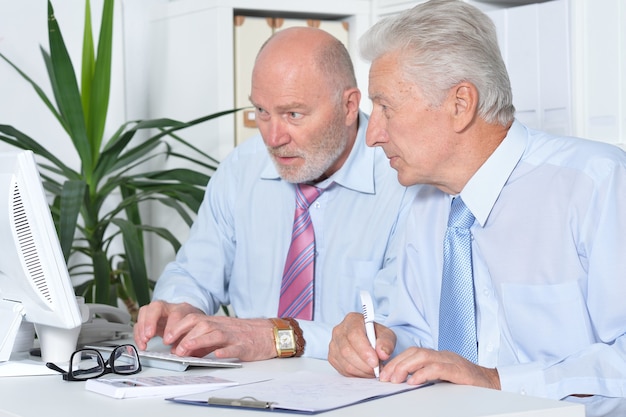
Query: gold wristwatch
x,y
288,337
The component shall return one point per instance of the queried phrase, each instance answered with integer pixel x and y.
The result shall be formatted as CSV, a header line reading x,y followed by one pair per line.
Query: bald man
x,y
312,134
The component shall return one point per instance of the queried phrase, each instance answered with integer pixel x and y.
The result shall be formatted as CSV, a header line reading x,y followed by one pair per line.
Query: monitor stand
x,y
10,321
57,345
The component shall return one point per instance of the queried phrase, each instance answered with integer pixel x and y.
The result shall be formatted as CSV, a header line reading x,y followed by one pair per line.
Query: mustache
x,y
283,152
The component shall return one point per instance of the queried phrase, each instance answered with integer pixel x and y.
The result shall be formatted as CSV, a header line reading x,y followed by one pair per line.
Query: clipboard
x,y
302,392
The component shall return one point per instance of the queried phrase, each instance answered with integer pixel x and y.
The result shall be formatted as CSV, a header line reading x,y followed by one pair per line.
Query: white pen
x,y
368,316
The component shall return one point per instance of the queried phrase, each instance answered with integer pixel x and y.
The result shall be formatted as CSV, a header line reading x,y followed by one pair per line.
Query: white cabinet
x,y
566,59
534,40
599,68
567,63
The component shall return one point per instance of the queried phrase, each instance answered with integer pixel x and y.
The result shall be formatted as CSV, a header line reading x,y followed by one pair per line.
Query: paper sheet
x,y
132,386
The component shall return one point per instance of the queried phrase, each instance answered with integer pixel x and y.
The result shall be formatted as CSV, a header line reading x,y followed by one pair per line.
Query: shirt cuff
x,y
525,379
317,336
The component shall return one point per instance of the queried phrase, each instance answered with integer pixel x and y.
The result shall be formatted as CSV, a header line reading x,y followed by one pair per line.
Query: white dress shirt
x,y
549,259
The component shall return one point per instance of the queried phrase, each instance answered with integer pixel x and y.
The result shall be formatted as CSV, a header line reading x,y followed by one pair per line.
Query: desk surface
x,y
36,396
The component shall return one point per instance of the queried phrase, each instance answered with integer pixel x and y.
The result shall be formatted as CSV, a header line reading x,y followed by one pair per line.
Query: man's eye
x,y
295,115
261,113
384,110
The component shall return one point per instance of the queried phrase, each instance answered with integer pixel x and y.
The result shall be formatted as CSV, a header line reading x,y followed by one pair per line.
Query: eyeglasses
x,y
89,363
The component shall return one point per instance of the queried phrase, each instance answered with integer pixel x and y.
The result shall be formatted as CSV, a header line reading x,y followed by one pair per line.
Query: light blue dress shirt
x,y
238,244
549,253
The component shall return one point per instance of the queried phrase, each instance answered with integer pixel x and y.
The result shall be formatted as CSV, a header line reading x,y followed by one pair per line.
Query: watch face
x,y
285,340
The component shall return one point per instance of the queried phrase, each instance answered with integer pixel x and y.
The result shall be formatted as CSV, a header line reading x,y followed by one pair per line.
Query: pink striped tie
x,y
296,290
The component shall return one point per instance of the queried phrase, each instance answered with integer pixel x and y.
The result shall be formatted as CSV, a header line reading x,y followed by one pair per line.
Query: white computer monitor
x,y
34,282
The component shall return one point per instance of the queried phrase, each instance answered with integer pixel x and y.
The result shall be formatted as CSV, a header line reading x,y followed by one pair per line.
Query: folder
x,y
302,392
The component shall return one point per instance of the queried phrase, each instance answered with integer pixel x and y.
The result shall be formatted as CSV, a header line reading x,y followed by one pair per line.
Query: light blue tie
x,y
457,312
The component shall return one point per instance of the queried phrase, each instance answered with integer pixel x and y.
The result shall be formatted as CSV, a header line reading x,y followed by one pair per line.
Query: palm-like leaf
x,y
118,169
67,96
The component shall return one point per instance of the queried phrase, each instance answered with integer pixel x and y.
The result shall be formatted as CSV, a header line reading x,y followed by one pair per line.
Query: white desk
x,y
51,396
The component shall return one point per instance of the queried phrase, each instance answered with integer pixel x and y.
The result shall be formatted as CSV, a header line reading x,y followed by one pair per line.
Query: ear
x,y
351,102
465,102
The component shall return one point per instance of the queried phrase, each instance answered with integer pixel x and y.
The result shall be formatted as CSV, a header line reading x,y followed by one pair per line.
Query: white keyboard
x,y
167,360
161,360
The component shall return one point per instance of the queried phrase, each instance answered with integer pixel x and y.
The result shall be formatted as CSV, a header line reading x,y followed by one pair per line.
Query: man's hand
x,y
190,332
351,354
156,317
418,366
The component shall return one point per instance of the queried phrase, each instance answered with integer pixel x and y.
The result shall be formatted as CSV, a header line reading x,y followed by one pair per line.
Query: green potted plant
x,y
116,170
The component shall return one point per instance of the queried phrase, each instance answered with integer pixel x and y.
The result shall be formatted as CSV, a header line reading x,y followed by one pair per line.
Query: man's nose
x,y
276,133
375,134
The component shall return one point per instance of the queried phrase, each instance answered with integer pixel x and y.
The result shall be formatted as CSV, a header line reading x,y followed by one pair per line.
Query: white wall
x,y
23,30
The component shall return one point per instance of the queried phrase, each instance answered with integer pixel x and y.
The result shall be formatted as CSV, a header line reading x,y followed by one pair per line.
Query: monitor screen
x,y
33,272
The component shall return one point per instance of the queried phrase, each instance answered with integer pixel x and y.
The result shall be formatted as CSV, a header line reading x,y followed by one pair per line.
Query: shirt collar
x,y
357,173
483,189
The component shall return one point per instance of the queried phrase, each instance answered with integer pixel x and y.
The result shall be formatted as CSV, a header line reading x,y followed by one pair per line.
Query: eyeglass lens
x,y
88,363
124,360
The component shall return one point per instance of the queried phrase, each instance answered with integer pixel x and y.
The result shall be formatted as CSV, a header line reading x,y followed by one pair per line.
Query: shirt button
x,y
317,204
486,292
523,391
490,347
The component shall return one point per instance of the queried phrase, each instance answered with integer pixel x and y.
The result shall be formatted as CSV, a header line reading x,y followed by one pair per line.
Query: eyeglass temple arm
x,y
54,367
